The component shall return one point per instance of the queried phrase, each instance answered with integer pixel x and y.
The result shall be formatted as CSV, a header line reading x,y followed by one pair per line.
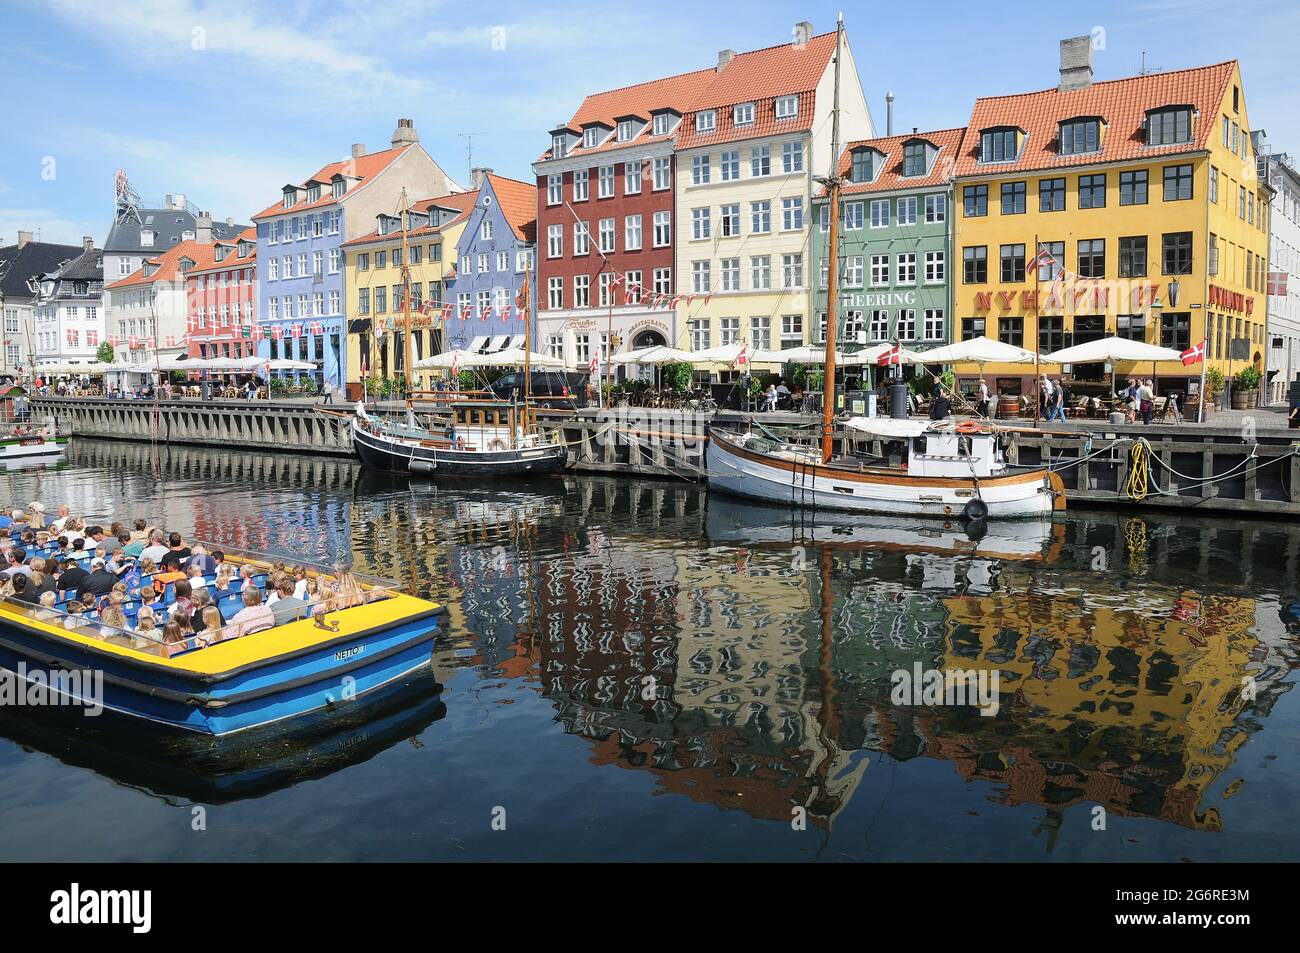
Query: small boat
x,y
950,470
32,445
339,658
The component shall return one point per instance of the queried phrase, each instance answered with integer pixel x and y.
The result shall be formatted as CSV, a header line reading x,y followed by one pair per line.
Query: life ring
x,y
975,510
496,443
967,426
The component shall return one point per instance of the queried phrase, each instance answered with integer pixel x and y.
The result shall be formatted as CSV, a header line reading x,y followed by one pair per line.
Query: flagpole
x,y
1038,313
1205,359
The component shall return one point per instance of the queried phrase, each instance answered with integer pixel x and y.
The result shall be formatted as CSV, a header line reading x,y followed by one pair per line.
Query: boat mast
x,y
528,350
406,306
832,262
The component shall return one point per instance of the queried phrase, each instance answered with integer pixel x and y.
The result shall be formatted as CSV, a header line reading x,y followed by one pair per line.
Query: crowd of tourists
x,y
146,585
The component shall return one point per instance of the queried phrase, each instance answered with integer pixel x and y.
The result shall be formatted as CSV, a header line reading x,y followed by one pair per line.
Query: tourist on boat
x,y
225,575
288,607
157,547
211,626
199,558
254,617
61,519
16,562
72,576
141,532
300,582
72,617
172,638
38,520
146,622
23,591
47,612
202,602
43,576
183,604
348,588
112,620
110,542
6,520
311,591
177,553
194,576
327,601
97,583
941,409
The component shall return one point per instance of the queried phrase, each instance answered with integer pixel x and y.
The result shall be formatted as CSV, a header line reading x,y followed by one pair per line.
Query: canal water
x,y
636,670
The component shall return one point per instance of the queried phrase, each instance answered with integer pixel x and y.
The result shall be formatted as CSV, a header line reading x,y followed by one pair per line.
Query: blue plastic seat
x,y
229,604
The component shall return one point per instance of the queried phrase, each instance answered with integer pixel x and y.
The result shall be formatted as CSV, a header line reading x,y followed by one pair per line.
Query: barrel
x,y
1008,406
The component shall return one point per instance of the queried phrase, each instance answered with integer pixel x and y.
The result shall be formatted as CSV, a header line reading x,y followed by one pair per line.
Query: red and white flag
x,y
1194,355
485,313
505,313
594,366
1043,257
890,357
742,358
455,366
1277,283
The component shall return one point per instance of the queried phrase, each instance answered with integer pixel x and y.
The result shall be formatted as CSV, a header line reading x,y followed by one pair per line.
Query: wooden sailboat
x,y
467,435
948,469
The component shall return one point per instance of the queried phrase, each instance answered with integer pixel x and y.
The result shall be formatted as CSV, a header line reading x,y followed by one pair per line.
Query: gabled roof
x,y
205,256
168,265
88,266
17,265
518,203
1122,103
167,224
362,169
462,202
946,141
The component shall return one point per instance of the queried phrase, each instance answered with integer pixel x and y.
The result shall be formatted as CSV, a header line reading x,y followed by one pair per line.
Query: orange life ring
x,y
496,444
967,426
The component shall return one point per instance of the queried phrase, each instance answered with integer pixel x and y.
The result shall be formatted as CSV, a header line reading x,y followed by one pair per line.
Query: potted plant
x,y
1245,388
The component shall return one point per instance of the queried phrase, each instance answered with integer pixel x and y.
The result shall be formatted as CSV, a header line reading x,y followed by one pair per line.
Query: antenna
x,y
1145,70
469,148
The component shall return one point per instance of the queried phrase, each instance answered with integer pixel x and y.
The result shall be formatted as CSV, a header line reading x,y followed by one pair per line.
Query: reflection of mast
x,y
826,714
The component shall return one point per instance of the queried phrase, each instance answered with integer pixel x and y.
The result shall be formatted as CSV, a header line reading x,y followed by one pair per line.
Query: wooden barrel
x,y
1008,407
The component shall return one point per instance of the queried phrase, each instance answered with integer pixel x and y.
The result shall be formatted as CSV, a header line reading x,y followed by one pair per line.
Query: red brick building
x,y
221,298
605,211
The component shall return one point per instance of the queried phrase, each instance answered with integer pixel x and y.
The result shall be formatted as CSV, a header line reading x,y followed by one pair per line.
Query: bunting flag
x,y
258,333
1043,257
169,341
277,332
1277,283
317,328
466,312
193,322
742,358
296,330
505,313
890,357
485,313
455,365
113,339
447,311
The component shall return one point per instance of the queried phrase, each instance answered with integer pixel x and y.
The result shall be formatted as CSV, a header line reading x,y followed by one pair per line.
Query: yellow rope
x,y
1139,471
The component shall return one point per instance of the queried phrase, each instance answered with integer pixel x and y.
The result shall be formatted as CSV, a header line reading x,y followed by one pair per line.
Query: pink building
x,y
221,299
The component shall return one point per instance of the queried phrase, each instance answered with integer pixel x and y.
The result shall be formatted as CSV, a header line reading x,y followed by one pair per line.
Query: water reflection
x,y
739,658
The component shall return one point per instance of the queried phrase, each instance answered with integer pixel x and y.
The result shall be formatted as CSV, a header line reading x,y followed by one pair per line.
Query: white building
x,y
1283,360
68,313
20,264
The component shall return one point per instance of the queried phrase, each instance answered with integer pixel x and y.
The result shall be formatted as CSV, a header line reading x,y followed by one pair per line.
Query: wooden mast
x,y
406,305
528,350
832,262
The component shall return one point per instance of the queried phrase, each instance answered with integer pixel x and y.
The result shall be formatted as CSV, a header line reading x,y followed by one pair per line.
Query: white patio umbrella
x,y
642,355
515,356
662,354
286,364
457,356
1110,351
979,350
730,354
807,354
869,355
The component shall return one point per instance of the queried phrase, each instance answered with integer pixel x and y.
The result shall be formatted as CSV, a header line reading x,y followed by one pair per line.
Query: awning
x,y
1110,350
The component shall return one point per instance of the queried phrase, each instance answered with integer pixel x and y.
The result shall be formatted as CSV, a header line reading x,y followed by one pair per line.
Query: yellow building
x,y
373,279
1141,198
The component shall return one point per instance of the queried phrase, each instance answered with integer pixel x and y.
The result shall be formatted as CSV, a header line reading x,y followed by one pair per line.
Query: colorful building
x,y
1144,194
1283,281
750,147
300,241
895,240
496,255
221,298
376,304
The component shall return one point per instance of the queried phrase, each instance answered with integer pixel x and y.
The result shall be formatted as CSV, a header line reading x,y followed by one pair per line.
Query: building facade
x,y
300,241
1143,194
895,238
20,264
1283,279
751,145
68,309
221,298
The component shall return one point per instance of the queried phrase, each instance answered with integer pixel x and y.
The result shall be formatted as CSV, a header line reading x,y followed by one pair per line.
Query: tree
x,y
105,353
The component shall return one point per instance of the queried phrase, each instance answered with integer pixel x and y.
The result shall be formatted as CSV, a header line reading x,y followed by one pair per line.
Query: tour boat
x,y
32,446
949,470
266,678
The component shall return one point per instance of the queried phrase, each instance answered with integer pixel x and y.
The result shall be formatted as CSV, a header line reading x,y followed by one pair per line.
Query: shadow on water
x,y
744,661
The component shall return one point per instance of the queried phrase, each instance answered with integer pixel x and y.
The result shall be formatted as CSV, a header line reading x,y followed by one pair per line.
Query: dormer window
x,y
663,124
592,136
863,165
916,157
244,249
339,187
743,115
999,145
220,252
290,197
146,237
187,235
1169,126
706,121
313,193
559,146
1080,136
627,128
787,107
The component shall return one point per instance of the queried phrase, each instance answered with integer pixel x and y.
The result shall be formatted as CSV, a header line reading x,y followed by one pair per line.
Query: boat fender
x,y
975,510
976,530
967,426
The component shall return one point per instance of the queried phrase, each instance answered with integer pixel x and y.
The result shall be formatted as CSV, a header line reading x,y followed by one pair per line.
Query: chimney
x,y
24,238
802,34
167,200
725,57
358,150
477,177
203,228
230,221
1076,64
179,204
404,134
88,242
889,113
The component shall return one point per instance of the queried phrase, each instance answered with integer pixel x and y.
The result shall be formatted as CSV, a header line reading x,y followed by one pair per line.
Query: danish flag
x,y
316,328
892,356
447,311
1044,257
455,365
485,313
1277,283
742,359
505,313
1194,355
595,365
466,312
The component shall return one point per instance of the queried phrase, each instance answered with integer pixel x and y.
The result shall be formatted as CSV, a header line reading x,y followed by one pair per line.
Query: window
x,y
760,333
581,239
466,262
855,216
1131,326
1169,126
1214,185
663,229
877,325
700,277
760,217
1092,191
742,114
792,213
632,233
972,328
554,242
933,328
663,122
580,190
1051,195
760,161
318,263
1241,201
1092,258
998,145
605,182
273,267
729,273
1133,257
554,189
632,177
605,232
1013,198
1178,182
1176,330
975,265
700,227
632,287
879,271
907,210
381,302
880,213
787,107
975,199
606,289
706,120
503,260
555,292
760,272
700,170
906,329
792,271
1012,258
861,168
1133,187
1177,253
935,267
792,157
663,281
1051,333
729,221
936,209
1012,331
662,174
484,263
854,271
729,165
701,333
906,268
791,330
592,136
914,158
1080,136
626,129
1213,265
582,291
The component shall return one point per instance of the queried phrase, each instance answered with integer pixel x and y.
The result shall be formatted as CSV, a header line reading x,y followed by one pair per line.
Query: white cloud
x,y
48,225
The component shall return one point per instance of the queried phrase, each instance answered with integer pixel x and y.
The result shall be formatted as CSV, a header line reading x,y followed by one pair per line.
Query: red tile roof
x,y
518,203
1122,103
363,168
463,202
947,141
232,260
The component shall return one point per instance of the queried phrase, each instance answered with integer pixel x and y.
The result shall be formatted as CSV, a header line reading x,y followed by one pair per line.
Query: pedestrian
x,y
941,409
1146,400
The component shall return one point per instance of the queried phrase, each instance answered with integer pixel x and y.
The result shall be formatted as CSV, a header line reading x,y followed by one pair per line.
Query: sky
x,y
226,102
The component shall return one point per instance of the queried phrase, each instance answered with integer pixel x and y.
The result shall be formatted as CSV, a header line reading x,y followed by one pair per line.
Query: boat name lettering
x,y
342,655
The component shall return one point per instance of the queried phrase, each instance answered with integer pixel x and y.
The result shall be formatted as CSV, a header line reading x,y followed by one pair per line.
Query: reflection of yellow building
x,y
1142,190
373,278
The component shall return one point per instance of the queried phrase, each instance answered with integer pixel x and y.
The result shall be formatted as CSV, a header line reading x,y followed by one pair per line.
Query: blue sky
x,y
228,101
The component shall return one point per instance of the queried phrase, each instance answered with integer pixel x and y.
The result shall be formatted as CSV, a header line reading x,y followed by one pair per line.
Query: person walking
x,y
1146,400
1057,403
984,408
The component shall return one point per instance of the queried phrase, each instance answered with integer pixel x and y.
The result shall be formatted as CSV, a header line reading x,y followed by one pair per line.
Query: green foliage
x,y
1214,380
677,376
814,380
467,381
104,353
375,386
1247,378
795,373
